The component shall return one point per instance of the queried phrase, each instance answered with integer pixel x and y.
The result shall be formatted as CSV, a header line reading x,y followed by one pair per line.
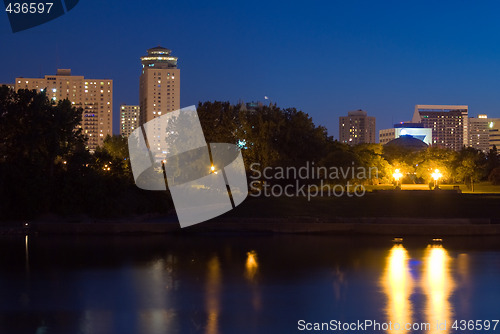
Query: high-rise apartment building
x,y
94,96
449,124
159,89
356,128
129,119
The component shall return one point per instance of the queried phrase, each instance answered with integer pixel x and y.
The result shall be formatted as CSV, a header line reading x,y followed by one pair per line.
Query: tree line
x,y
46,169
275,137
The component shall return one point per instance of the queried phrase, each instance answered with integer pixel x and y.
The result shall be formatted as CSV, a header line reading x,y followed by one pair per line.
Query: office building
x,y
356,128
449,124
479,133
159,88
386,135
484,132
129,119
94,96
494,132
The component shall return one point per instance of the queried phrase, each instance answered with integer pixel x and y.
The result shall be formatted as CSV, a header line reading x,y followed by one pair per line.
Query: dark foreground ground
x,y
410,204
395,213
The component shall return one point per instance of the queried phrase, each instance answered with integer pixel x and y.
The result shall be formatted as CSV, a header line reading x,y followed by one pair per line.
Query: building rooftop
x,y
159,57
358,112
408,142
159,50
64,71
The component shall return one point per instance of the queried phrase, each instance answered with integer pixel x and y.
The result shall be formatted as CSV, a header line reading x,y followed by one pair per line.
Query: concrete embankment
x,y
374,226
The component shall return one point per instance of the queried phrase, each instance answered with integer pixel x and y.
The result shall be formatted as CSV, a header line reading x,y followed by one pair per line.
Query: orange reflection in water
x,y
251,266
398,286
213,289
438,285
251,269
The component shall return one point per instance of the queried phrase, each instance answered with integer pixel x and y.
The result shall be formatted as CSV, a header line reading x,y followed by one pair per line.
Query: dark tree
x,y
36,140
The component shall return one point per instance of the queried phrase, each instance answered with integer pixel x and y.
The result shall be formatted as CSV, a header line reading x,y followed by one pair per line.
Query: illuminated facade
x,y
415,130
479,133
356,128
159,88
449,124
94,96
129,119
493,131
386,135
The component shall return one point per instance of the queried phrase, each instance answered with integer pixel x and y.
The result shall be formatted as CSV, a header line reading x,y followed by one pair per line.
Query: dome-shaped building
x,y
407,142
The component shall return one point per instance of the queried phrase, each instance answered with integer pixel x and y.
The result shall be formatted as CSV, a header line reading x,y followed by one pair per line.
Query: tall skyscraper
x,y
356,128
94,96
449,124
129,119
159,89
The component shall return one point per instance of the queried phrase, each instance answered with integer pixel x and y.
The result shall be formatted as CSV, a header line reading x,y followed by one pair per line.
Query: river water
x,y
227,283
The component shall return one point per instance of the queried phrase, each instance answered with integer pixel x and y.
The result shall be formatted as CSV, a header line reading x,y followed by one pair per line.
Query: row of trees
x,y
45,168
273,137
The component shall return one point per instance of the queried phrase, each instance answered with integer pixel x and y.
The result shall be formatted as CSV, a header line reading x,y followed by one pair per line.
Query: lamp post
x,y
397,175
436,176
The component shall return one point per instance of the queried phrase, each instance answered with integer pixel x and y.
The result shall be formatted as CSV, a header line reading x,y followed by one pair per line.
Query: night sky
x,y
324,58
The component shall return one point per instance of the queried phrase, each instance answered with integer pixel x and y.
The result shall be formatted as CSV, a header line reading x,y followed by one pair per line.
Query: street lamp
x,y
397,175
436,176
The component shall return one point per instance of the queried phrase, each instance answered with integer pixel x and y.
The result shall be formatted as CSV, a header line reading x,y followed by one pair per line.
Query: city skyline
x,y
324,59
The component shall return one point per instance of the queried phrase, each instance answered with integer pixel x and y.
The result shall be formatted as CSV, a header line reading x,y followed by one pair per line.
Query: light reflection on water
x,y
213,290
437,285
251,270
434,280
239,284
398,286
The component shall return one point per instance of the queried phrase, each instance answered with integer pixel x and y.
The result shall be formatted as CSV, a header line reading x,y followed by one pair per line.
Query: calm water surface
x,y
243,284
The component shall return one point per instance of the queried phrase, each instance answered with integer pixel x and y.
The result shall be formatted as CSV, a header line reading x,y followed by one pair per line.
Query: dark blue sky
x,y
324,58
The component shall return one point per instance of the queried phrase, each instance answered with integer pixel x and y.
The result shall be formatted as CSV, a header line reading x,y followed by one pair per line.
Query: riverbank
x,y
397,213
435,227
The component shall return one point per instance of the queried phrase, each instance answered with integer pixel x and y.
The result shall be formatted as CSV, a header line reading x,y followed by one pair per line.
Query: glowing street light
x,y
436,176
212,169
397,175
